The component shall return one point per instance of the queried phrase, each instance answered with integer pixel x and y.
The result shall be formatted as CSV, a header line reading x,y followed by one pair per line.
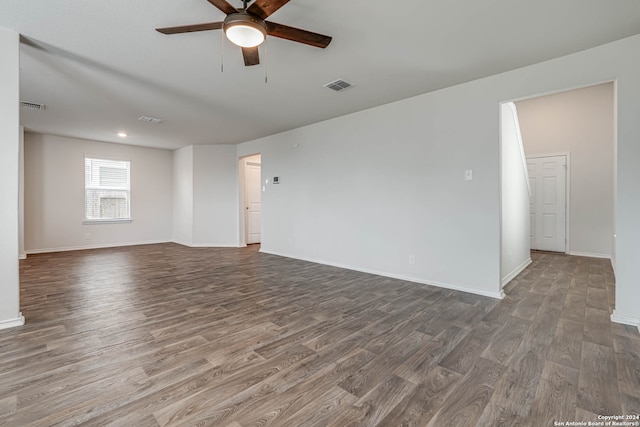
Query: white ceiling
x,y
99,65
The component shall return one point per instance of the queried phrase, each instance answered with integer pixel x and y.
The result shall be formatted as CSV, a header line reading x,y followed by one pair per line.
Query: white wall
x,y
627,249
516,254
9,179
215,195
183,195
369,189
205,189
54,194
580,122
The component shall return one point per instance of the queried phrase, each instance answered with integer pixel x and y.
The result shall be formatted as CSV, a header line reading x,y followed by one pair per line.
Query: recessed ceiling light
x,y
122,134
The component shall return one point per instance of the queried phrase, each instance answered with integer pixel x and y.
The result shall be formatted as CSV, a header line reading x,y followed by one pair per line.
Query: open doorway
x,y
251,199
573,133
578,124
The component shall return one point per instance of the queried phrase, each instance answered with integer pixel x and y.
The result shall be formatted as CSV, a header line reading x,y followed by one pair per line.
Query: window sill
x,y
106,221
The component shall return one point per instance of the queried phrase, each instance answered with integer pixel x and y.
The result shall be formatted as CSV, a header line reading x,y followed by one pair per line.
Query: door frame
x,y
242,231
567,196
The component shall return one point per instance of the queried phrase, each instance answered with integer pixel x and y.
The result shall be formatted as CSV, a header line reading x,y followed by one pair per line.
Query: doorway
x,y
578,125
580,122
252,208
548,202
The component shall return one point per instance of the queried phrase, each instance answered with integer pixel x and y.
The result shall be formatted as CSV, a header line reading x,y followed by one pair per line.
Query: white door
x,y
252,202
548,178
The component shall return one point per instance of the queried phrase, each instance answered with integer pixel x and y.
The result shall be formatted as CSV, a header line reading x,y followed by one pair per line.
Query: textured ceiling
x,y
98,66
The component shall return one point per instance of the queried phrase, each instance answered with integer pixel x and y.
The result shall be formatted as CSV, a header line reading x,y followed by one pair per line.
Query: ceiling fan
x,y
247,27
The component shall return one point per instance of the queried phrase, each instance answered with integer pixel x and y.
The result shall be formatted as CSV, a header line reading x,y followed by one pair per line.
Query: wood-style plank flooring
x,y
168,335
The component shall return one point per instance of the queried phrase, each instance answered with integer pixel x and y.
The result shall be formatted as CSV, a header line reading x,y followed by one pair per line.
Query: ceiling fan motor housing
x,y
248,28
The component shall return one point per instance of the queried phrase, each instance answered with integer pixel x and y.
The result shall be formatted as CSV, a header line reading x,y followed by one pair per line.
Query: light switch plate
x,y
468,175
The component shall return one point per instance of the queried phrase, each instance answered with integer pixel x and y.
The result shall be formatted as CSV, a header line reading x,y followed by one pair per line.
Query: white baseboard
x,y
207,245
509,277
81,248
12,323
22,256
498,295
589,254
625,320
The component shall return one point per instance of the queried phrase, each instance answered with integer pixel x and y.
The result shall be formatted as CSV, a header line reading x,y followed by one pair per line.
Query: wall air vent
x,y
32,105
147,119
338,85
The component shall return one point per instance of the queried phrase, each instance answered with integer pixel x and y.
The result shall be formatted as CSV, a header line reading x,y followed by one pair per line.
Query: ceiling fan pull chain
x,y
222,51
266,60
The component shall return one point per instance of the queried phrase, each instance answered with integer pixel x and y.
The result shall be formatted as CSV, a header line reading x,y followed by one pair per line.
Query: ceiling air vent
x,y
32,105
338,85
147,119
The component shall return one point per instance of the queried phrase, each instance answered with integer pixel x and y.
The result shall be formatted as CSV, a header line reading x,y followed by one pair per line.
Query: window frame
x,y
88,187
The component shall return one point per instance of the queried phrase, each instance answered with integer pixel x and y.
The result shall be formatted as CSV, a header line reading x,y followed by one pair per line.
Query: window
x,y
107,195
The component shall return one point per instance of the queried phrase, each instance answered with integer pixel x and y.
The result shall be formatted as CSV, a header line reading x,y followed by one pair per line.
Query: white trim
x,y
614,246
97,186
22,256
625,320
81,248
106,221
12,323
207,245
242,221
523,156
590,255
497,295
567,194
509,277
500,187
565,89
556,154
613,265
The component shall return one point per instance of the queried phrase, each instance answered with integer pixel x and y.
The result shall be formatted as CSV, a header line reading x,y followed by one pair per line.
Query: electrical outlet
x,y
412,259
87,236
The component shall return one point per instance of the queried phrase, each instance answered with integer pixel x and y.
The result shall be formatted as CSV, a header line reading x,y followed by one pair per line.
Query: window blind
x,y
107,190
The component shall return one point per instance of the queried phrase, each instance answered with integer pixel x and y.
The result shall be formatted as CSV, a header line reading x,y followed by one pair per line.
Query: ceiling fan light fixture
x,y
244,30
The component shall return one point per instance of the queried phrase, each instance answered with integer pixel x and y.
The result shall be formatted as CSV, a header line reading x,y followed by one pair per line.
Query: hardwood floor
x,y
168,335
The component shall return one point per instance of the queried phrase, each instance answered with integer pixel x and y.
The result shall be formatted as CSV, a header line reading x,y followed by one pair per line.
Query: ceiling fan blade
x,y
191,28
250,55
264,8
223,6
297,35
